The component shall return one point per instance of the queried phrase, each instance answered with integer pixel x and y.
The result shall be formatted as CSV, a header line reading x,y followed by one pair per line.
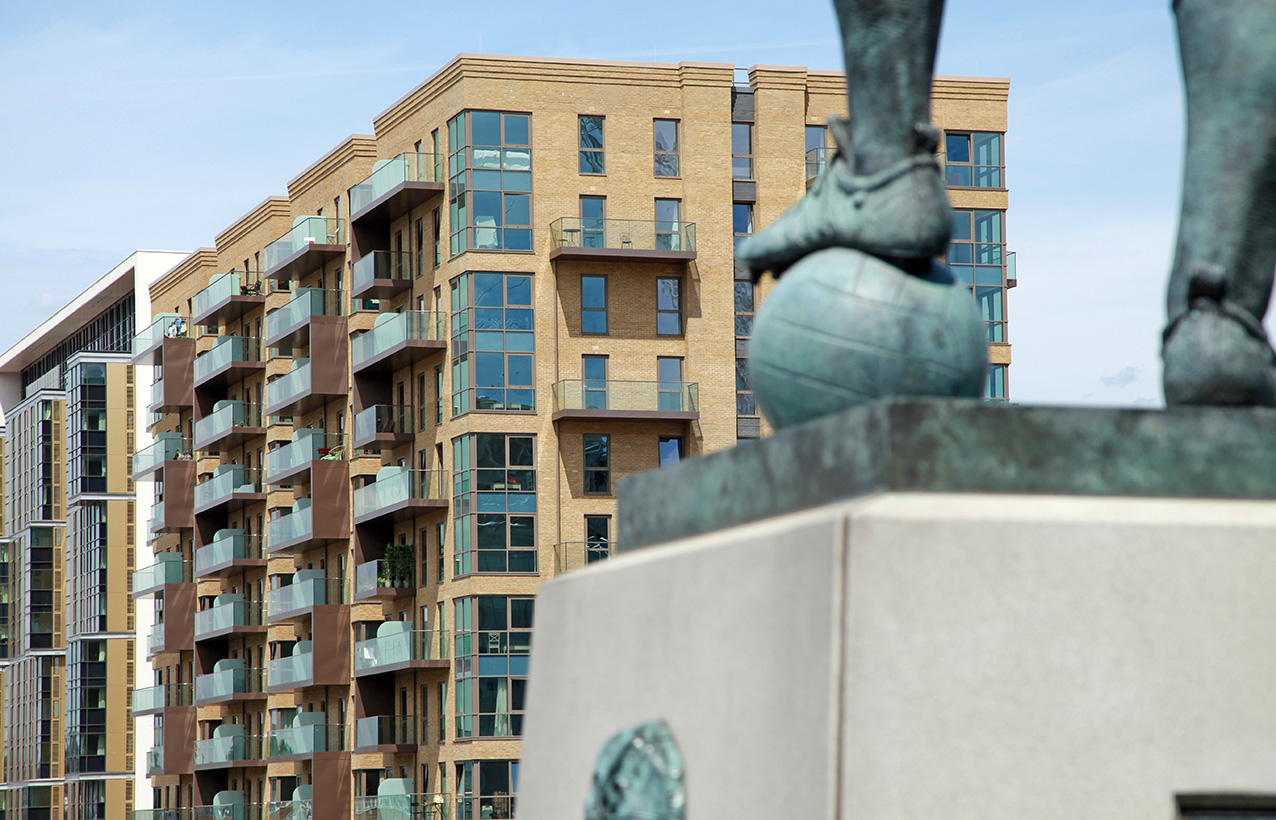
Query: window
x,y
669,385
493,342
597,538
670,450
494,503
497,782
668,229
593,304
493,638
995,387
666,147
973,160
591,145
745,405
597,465
420,247
593,369
438,243
744,309
490,176
741,221
816,136
976,256
668,306
593,228
438,394
742,150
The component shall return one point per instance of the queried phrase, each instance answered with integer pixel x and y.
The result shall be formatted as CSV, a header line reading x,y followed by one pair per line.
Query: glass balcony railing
x,y
228,682
622,234
155,761
227,616
229,749
157,393
162,572
421,485
304,448
406,167
225,485
227,811
153,698
395,266
225,350
220,288
816,160
402,807
306,302
297,524
229,415
222,551
400,647
383,574
408,326
577,554
384,730
394,419
291,671
161,814
306,740
155,639
288,810
167,447
306,230
303,595
651,397
288,387
162,326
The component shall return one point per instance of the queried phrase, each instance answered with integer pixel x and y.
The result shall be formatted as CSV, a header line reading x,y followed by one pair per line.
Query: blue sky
x,y
150,125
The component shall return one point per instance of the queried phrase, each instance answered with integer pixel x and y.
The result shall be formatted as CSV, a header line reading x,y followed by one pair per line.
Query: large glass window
x,y
593,304
976,256
597,465
593,210
668,306
494,503
493,637
597,538
669,385
493,342
591,145
973,159
995,387
668,227
593,370
742,150
666,147
486,789
490,181
744,309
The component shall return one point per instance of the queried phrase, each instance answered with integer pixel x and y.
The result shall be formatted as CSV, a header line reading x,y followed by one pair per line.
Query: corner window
x,y
591,145
493,639
976,256
995,387
493,342
494,503
666,147
593,304
668,306
597,465
742,150
490,181
973,160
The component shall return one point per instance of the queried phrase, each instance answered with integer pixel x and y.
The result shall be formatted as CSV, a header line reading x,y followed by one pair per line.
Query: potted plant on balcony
x,y
396,567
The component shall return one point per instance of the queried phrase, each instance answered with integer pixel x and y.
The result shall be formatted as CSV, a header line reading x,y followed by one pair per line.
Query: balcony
x,y
399,494
174,510
385,733
230,680
231,359
232,487
399,646
229,746
320,519
381,274
621,240
309,385
626,400
304,738
312,242
401,807
227,296
174,741
227,805
169,568
395,187
231,423
576,554
175,631
309,589
397,340
155,761
230,549
155,699
229,615
295,457
149,343
816,160
289,809
293,671
384,424
385,578
167,447
290,326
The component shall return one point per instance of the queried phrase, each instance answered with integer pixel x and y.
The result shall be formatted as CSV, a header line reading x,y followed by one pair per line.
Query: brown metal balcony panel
x,y
302,612
331,797
179,619
230,437
229,373
404,510
628,415
576,254
399,356
329,510
393,439
305,260
179,740
329,368
397,201
232,307
178,373
332,652
179,496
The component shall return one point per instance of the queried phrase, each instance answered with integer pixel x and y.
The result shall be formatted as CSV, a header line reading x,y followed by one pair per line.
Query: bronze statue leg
x,y
1215,349
881,193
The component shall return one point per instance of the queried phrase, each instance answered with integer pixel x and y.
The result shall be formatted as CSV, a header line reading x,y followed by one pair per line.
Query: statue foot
x,y
900,213
1217,353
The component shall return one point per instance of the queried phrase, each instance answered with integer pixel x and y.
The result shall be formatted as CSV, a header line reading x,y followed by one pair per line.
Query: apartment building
x,y
67,549
389,404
